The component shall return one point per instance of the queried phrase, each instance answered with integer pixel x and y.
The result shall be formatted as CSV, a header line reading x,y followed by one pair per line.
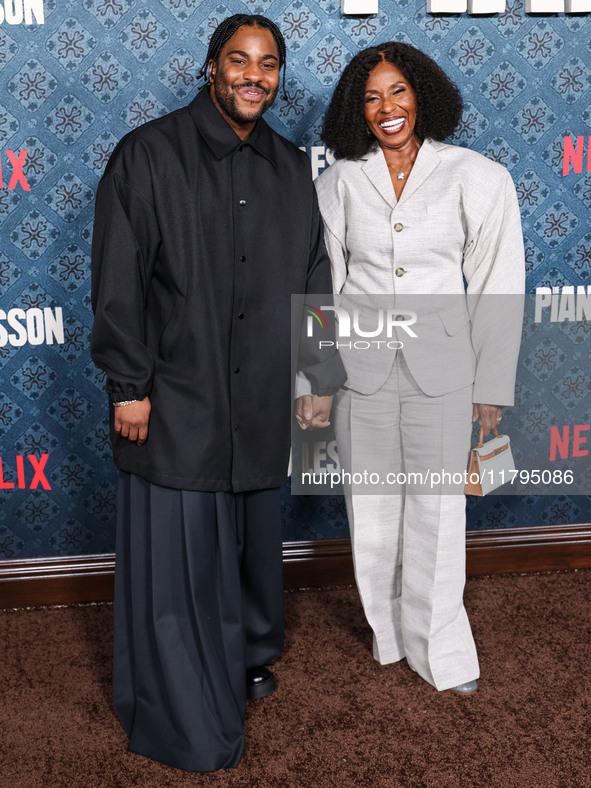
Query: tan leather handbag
x,y
491,464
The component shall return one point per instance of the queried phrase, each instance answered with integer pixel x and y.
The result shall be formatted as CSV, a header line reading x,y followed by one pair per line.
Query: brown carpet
x,y
338,718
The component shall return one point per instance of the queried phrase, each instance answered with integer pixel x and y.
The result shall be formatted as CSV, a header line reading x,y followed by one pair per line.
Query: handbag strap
x,y
481,436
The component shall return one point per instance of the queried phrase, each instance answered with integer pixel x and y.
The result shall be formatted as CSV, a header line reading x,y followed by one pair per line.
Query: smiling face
x,y
390,107
245,77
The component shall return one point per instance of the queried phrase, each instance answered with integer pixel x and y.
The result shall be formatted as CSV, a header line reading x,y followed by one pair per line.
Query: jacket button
x,y
400,272
398,227
242,202
236,427
241,315
243,259
237,370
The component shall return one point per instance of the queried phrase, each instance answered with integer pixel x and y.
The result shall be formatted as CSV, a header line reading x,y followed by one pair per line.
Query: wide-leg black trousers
x,y
198,600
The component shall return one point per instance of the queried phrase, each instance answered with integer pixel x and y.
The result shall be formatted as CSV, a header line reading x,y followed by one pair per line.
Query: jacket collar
x,y
221,138
376,169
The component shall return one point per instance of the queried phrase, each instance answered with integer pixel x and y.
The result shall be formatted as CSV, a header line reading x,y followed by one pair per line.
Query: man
x,y
206,222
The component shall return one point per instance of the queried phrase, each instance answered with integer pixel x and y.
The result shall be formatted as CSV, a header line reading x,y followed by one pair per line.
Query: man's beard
x,y
227,100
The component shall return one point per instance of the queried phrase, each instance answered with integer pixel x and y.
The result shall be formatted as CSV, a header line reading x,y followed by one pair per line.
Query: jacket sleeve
x,y
494,268
338,259
322,366
125,245
332,204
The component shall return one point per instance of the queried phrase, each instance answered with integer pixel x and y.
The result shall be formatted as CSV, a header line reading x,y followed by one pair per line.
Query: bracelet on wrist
x,y
122,404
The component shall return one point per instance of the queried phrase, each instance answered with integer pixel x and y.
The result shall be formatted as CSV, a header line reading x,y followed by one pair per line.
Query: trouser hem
x,y
191,761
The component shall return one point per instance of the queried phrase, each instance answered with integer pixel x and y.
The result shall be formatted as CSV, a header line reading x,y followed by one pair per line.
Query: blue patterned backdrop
x,y
71,87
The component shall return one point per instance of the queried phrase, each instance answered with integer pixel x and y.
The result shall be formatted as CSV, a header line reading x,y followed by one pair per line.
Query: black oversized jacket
x,y
199,240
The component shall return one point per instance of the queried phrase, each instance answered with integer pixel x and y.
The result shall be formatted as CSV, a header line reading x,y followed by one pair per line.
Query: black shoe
x,y
260,682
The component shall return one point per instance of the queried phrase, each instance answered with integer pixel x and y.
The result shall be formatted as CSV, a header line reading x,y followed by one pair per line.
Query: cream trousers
x,y
409,547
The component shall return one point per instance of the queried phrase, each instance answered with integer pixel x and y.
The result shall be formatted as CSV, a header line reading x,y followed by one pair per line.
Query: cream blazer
x,y
457,219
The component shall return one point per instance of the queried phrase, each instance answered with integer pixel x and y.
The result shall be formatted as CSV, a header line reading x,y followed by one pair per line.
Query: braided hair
x,y
439,103
226,29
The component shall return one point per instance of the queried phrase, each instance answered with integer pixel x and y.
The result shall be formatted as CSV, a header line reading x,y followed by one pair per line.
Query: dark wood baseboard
x,y
543,548
57,581
326,562
89,578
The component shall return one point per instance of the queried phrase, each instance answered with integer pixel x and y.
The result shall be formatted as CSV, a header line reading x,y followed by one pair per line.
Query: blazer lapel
x,y
376,169
427,160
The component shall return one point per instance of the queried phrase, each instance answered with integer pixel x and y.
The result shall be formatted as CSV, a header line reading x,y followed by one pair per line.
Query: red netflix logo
x,y
38,477
17,176
560,443
574,156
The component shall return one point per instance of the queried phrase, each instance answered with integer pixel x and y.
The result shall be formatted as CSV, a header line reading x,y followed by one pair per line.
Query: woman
x,y
408,216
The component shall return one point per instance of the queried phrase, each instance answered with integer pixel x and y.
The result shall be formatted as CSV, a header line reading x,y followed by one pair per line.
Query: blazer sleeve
x,y
494,269
321,366
333,209
338,259
125,244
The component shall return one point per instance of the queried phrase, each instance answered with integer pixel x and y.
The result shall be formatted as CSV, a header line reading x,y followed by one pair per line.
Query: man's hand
x,y
312,412
488,416
131,421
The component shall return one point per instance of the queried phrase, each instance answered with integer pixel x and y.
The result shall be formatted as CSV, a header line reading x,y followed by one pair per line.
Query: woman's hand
x,y
312,412
131,421
488,416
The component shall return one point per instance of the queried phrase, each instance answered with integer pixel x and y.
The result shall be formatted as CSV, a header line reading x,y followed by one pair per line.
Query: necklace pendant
x,y
400,176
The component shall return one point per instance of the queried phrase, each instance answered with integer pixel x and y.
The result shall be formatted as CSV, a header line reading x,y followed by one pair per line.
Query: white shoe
x,y
466,689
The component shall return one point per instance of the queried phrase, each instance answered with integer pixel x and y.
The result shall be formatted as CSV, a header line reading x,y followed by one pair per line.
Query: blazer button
x,y
242,202
400,272
398,227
